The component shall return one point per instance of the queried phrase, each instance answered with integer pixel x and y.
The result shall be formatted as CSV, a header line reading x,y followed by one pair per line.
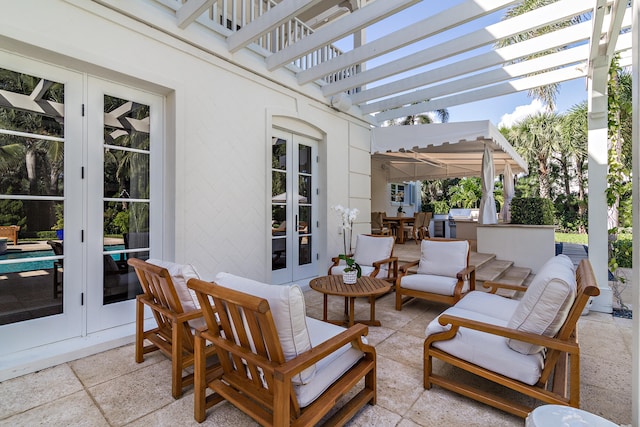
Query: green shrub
x,y
532,211
567,211
621,252
46,235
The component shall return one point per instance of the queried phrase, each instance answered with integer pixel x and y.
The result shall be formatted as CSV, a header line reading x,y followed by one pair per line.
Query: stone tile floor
x,y
110,389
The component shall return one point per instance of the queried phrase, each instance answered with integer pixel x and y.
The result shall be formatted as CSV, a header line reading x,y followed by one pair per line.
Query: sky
x,y
504,110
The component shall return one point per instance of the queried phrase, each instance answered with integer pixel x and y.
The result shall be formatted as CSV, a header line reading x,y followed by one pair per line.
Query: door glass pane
x,y
31,196
304,159
279,204
126,195
304,235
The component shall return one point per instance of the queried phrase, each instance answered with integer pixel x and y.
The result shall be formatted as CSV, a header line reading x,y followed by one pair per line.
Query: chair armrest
x,y
469,272
465,272
304,360
405,267
494,286
179,318
460,322
391,272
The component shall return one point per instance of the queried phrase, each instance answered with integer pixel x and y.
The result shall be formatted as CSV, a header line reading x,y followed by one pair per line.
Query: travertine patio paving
x,y
110,389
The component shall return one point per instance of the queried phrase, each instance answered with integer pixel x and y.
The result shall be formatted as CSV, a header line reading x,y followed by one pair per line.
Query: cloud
x,y
520,112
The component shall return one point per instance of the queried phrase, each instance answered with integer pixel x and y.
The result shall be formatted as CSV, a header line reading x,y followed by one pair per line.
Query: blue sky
x,y
515,105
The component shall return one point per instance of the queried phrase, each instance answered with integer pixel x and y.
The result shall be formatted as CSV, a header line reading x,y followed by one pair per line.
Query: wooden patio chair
x,y
279,367
444,274
529,346
176,316
58,267
377,224
416,230
374,254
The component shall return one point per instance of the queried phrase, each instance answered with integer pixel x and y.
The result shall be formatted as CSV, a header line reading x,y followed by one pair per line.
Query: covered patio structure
x,y
440,150
278,61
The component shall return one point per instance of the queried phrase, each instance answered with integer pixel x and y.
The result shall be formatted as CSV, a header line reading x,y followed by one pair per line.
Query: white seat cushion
x,y
443,258
288,311
180,275
370,249
440,285
489,304
329,369
487,350
546,303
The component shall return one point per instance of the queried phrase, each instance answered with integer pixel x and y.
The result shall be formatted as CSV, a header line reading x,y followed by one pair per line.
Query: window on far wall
x,y
398,193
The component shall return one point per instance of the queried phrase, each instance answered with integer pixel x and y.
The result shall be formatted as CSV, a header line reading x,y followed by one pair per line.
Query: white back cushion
x,y
288,311
180,275
370,249
443,258
546,303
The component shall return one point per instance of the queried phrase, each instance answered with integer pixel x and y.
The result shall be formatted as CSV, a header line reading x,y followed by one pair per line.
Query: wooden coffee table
x,y
365,287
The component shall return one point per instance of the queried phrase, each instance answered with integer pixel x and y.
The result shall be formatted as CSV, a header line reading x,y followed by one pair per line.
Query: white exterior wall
x,y
219,119
218,130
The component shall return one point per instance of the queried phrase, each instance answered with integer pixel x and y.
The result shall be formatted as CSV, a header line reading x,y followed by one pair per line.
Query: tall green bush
x,y
532,211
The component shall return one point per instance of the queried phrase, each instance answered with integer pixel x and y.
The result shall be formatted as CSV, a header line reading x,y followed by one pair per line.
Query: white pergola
x,y
458,67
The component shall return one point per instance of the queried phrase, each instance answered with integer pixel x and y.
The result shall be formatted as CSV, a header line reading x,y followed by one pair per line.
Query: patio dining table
x,y
400,221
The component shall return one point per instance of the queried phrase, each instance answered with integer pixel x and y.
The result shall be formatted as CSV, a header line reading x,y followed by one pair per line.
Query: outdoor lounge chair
x,y
374,254
444,274
176,315
529,346
279,367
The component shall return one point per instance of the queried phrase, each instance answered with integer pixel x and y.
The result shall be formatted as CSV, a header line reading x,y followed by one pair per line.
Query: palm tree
x,y
536,138
619,98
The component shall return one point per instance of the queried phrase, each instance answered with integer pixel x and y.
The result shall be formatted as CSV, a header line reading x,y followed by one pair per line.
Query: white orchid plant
x,y
347,217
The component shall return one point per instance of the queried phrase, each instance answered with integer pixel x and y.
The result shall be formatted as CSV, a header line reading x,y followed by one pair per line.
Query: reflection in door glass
x,y
126,195
31,196
279,204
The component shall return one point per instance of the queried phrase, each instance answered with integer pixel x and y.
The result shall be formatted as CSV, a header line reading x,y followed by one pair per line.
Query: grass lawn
x,y
581,239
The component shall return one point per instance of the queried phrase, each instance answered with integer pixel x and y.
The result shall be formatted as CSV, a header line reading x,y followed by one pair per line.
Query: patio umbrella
x,y
487,203
508,191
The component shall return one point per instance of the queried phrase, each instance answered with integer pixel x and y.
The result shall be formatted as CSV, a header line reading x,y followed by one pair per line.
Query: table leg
x,y
352,310
324,308
401,232
372,303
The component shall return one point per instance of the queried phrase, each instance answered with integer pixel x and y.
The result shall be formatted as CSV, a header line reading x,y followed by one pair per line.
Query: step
x,y
491,271
513,276
480,259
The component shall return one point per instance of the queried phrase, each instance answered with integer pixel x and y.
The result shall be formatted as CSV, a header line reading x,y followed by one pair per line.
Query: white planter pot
x,y
350,277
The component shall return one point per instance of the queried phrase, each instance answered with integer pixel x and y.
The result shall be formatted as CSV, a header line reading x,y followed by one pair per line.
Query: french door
x,y
294,219
41,135
124,146
77,158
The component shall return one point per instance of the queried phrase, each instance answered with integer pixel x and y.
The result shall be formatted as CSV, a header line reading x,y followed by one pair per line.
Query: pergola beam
x,y
336,30
566,36
559,11
519,69
190,11
445,20
506,88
